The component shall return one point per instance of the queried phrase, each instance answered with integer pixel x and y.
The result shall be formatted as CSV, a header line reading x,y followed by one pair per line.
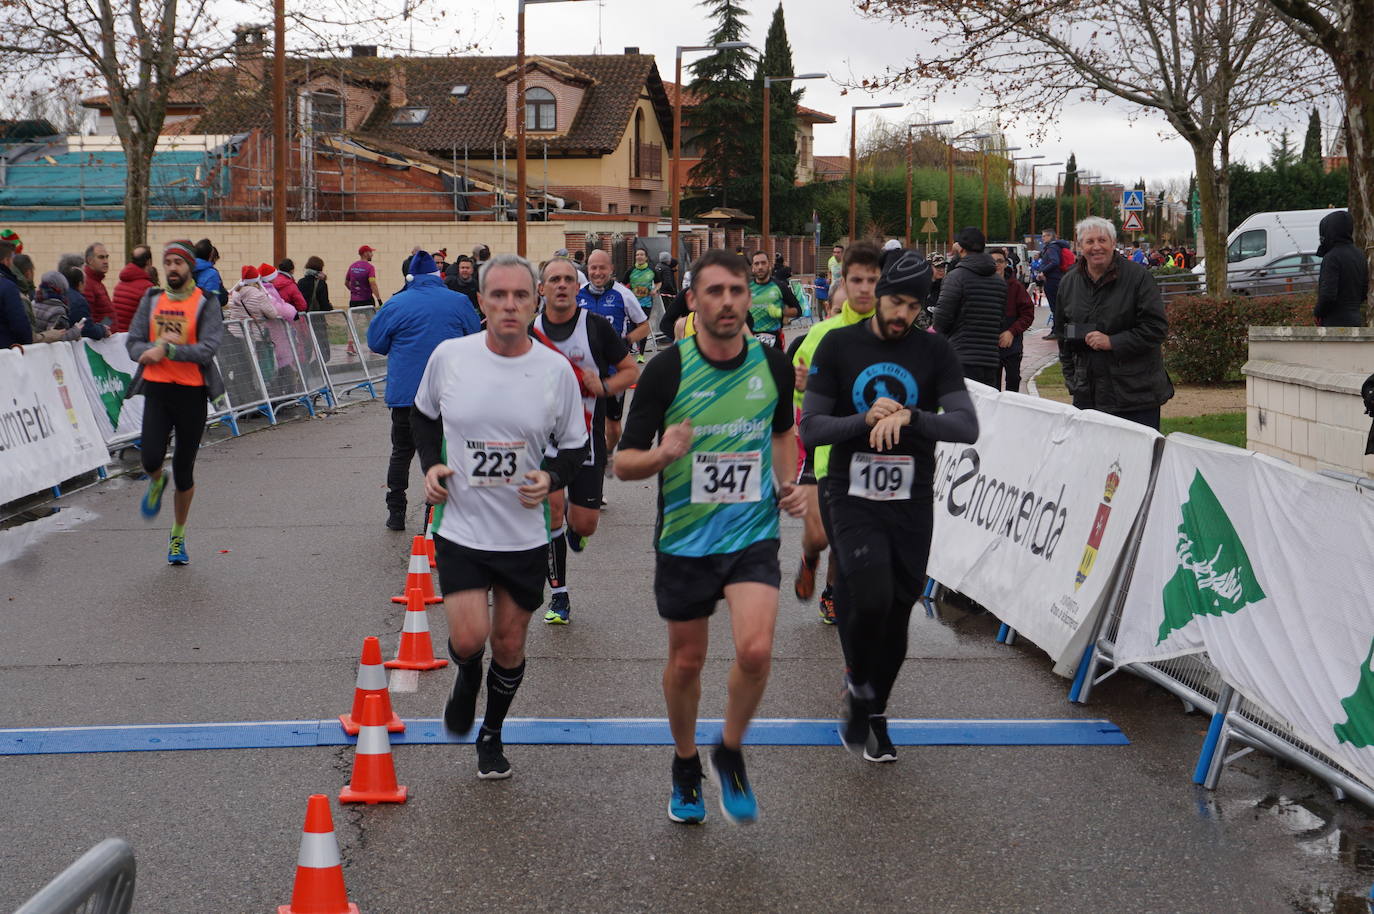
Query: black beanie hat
x,y
906,274
972,240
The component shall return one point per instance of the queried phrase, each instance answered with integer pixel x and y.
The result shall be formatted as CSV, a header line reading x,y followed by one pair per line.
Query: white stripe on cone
x,y
319,851
415,623
371,677
373,741
419,564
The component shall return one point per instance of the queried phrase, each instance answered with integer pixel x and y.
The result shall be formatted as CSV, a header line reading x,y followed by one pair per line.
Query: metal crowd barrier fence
x,y
1199,685
101,881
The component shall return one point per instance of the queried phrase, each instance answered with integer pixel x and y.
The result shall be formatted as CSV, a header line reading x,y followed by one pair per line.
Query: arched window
x,y
541,111
636,156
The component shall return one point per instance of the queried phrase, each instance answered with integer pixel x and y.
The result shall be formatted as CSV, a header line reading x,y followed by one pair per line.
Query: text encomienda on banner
x,y
48,431
1032,520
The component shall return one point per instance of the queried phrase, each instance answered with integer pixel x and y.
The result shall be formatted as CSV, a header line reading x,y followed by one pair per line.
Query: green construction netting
x,y
77,186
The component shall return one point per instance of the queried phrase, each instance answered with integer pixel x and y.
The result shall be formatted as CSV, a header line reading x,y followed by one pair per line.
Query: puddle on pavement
x,y
22,531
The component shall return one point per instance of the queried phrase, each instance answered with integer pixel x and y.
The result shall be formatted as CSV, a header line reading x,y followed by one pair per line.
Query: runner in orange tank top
x,y
174,336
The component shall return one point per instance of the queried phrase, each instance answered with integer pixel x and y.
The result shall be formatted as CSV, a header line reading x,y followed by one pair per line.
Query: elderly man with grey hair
x,y
1111,325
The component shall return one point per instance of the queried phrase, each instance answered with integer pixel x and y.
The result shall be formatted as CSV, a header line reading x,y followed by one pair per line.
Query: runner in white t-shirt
x,y
495,399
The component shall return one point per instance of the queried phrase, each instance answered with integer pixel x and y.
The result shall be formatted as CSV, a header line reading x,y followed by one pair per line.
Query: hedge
x,y
1208,337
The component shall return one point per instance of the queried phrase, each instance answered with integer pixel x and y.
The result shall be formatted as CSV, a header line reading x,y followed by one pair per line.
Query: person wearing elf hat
x,y
173,337
12,237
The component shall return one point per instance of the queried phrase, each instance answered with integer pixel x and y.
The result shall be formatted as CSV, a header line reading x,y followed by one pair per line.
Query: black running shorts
x,y
520,574
586,487
688,587
615,407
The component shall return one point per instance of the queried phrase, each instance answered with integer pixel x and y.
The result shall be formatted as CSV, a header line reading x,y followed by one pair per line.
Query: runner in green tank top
x,y
725,458
771,302
644,284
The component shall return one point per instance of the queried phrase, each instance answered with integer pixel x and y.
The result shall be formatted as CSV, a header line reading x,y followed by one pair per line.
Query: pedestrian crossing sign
x,y
1133,200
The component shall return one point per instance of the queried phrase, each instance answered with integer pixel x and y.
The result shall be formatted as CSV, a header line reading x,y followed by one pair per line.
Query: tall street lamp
x,y
1033,168
767,161
976,136
1011,193
910,169
854,158
520,214
985,185
677,127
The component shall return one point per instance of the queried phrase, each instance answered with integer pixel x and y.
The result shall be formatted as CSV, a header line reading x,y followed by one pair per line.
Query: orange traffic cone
x,y
429,542
371,681
417,575
319,885
374,774
416,651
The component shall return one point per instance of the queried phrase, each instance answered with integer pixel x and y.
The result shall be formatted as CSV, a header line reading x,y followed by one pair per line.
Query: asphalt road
x,y
292,568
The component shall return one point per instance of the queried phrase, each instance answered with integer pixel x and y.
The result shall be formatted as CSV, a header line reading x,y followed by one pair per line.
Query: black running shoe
x,y
879,747
396,519
461,708
854,729
491,761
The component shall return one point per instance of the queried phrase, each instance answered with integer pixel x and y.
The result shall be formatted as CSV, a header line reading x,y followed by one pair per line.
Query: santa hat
x,y
267,272
422,264
249,273
12,237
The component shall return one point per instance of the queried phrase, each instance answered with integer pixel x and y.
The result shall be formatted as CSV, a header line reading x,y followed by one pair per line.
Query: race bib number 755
x,y
492,463
724,478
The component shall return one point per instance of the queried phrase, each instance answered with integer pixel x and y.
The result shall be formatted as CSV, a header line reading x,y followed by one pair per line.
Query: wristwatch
x,y
170,349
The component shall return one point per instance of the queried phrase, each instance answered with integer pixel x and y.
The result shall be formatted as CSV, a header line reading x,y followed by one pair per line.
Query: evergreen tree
x,y
727,102
1312,144
1281,155
782,128
1071,176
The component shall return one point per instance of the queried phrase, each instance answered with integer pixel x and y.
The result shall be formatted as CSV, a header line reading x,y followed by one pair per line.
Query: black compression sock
x,y
501,687
558,561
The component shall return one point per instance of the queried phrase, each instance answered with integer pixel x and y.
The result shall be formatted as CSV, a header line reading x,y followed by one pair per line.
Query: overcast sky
x,y
830,36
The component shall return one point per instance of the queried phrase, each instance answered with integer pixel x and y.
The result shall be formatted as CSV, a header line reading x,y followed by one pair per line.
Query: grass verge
x,y
1228,428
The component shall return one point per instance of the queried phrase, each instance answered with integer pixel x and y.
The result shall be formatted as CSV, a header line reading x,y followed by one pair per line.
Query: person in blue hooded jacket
x,y
406,330
205,272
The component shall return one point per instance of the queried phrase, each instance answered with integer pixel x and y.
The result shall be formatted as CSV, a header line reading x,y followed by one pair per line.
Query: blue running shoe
x,y
560,608
176,551
152,499
737,802
576,542
687,804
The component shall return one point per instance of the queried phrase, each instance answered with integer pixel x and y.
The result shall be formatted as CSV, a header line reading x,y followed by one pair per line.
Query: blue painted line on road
x,y
295,734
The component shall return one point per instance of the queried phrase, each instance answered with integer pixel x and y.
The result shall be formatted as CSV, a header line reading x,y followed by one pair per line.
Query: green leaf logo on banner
x,y
1358,730
110,383
1214,573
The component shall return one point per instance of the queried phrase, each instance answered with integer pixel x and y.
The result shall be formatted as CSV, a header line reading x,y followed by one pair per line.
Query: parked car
x,y
1264,236
1287,273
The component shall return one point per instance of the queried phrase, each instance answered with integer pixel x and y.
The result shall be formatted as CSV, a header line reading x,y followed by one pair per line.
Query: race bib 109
x,y
726,478
493,463
881,477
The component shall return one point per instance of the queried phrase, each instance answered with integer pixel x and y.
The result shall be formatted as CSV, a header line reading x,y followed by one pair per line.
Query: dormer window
x,y
326,112
541,110
409,117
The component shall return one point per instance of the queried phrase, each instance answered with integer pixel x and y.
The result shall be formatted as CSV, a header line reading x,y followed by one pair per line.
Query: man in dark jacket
x,y
407,329
15,329
1343,283
1052,268
462,278
1017,317
1111,328
972,300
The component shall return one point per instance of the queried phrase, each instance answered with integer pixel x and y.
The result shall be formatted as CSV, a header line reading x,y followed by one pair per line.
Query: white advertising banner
x,y
1267,568
1031,520
106,371
48,432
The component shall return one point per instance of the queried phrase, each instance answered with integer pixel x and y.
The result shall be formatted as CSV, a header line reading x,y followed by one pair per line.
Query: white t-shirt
x,y
498,413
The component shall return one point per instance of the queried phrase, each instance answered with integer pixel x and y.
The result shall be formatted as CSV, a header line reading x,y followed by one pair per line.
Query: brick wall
x,y
567,98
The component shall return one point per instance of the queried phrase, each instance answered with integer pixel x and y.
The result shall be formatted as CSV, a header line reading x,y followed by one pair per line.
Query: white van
x,y
1263,236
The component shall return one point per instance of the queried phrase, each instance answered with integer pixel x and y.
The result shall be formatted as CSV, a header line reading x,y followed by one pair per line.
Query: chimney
x,y
396,86
364,50
632,50
250,55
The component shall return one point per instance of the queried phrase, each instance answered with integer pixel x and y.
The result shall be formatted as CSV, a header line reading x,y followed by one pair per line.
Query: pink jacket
x,y
287,287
